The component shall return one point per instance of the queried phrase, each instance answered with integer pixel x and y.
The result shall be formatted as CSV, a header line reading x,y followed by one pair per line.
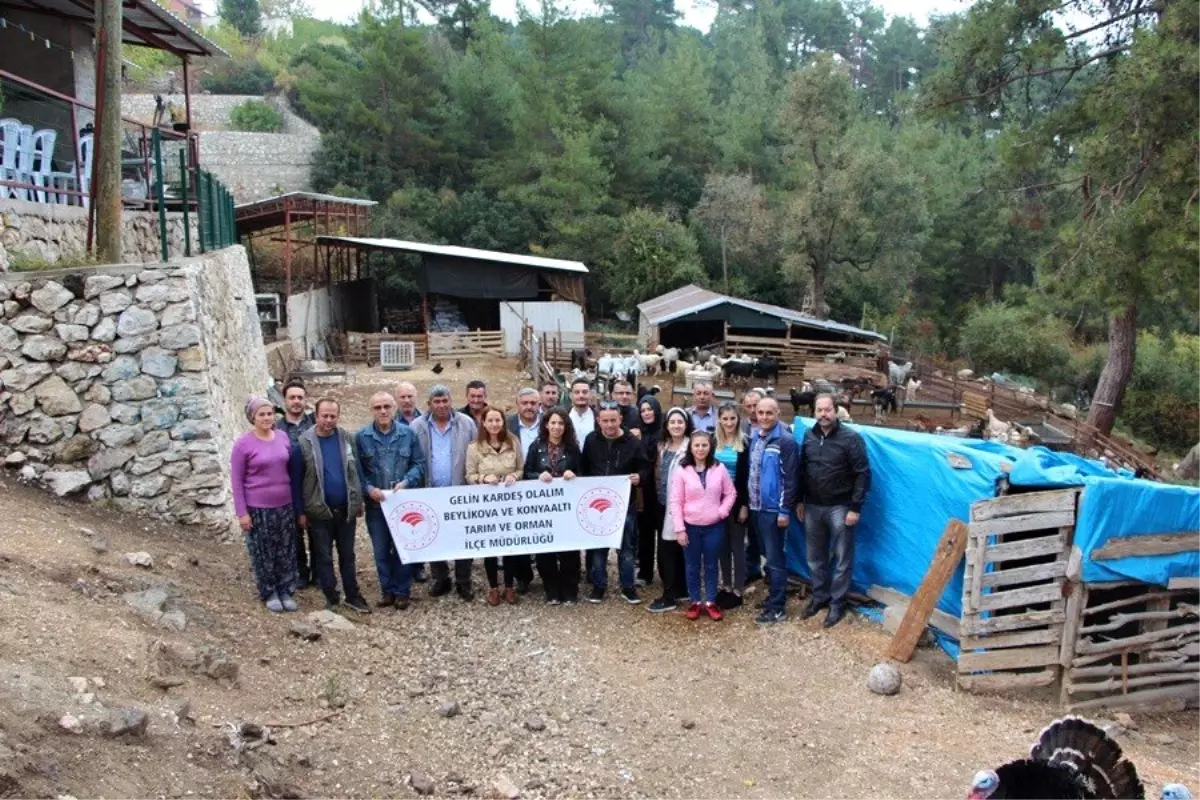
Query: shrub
x,y
256,116
1002,338
237,77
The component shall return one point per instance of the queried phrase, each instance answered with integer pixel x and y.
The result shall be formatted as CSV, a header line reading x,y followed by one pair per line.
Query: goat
x,y
843,414
965,374
606,364
885,402
650,363
736,370
803,397
898,373
767,369
684,367
996,429
835,358
670,358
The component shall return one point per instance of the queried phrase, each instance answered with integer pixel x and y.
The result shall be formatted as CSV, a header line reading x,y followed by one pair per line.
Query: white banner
x,y
527,517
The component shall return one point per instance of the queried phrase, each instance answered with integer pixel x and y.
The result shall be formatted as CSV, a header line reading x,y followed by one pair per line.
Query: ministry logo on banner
x,y
527,517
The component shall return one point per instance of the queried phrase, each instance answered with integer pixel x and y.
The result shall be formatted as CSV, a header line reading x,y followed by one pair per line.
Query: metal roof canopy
x,y
468,253
692,299
271,212
143,22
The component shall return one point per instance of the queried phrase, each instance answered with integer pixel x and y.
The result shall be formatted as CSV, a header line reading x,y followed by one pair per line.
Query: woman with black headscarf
x,y
650,515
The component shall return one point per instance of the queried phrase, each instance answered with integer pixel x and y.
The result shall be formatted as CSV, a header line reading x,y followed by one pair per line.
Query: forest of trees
x,y
1015,186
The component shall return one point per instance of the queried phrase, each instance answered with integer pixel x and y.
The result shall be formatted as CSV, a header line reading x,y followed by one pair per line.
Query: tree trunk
x,y
816,294
106,190
1118,369
724,261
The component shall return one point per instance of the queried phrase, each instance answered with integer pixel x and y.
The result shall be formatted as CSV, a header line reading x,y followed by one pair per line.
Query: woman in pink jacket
x,y
701,497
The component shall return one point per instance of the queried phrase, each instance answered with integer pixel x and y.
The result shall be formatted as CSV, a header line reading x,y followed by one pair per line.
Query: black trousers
x,y
462,571
326,535
307,575
560,575
671,569
650,520
516,568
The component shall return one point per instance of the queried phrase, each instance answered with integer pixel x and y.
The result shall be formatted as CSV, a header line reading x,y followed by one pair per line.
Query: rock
x,y
328,619
23,378
122,368
44,430
140,388
43,348
154,442
57,398
1162,738
129,722
125,414
115,302
70,723
76,448
505,788
152,276
195,429
72,372
108,461
149,486
177,314
158,362
191,359
688,724
152,293
151,604
91,353
93,418
66,482
93,285
178,337
1125,720
421,784
51,297
32,323
132,344
158,414
119,435
136,321
181,710
99,544
28,473
79,684
85,314
884,679
183,386
105,330
72,333
142,559
535,724
98,393
14,459
448,709
305,631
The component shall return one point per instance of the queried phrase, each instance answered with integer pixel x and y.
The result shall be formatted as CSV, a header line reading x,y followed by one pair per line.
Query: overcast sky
x,y
697,13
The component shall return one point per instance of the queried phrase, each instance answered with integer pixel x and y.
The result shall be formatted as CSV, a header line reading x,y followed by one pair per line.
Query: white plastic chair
x,y
82,181
10,135
41,148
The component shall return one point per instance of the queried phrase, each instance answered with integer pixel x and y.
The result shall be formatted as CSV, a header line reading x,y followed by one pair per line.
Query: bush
x,y
256,116
237,77
1001,338
1170,421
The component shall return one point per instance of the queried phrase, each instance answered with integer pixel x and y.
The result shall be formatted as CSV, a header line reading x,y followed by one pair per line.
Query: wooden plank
x,y
1020,523
1028,503
1008,659
1154,620
1074,564
1088,647
1137,698
1158,544
1002,681
1038,572
982,626
1175,665
1011,551
945,560
1121,684
1183,583
1124,601
976,561
1076,602
1000,641
898,600
1020,597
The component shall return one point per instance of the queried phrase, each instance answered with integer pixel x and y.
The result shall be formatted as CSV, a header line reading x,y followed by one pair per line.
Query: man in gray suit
x,y
444,435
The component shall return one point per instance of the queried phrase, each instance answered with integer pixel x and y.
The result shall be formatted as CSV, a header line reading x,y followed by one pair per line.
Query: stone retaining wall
x,y
51,233
126,385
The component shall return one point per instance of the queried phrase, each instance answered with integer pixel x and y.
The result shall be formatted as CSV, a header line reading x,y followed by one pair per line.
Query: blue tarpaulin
x,y
919,482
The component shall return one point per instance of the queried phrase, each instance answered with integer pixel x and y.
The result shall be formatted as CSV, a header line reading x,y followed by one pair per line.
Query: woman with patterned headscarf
x,y
262,471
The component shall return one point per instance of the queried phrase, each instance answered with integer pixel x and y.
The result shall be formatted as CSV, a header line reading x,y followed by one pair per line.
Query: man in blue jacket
x,y
772,488
389,459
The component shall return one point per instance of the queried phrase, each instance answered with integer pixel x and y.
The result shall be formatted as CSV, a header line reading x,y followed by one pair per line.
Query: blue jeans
x,y
770,539
825,529
597,560
395,578
703,547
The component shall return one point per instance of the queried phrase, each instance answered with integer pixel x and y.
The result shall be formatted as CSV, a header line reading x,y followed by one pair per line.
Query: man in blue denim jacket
x,y
772,487
389,458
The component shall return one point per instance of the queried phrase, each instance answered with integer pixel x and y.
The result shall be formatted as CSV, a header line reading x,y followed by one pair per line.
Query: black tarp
x,y
460,278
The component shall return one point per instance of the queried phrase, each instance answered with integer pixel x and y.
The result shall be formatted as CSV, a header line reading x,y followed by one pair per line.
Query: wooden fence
x,y
364,347
481,343
1013,591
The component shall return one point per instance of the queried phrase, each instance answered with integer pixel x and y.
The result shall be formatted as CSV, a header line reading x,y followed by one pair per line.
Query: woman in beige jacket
x,y
495,459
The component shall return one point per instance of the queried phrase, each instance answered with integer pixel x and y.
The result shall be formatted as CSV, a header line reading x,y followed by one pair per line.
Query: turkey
x,y
1072,758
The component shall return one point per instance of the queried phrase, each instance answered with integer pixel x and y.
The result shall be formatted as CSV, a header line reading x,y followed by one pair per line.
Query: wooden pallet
x,y
1013,593
1134,644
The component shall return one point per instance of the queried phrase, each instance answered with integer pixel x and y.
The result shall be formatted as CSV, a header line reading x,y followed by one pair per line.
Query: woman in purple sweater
x,y
263,499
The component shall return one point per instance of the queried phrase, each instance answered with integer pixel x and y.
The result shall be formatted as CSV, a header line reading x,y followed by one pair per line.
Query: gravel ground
x,y
464,699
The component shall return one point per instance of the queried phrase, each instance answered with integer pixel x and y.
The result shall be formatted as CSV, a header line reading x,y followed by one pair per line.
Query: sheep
x,y
835,358
606,364
670,358
1069,411
843,415
996,429
650,363
898,373
684,367
965,374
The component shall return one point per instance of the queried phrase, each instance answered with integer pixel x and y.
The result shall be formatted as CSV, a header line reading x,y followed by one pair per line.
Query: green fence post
x,y
202,212
183,190
159,195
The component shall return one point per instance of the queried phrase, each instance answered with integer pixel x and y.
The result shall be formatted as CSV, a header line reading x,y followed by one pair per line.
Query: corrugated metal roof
x,y
470,253
144,22
323,198
691,299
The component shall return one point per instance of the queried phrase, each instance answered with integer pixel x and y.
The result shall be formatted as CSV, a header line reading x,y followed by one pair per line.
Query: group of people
x,y
713,491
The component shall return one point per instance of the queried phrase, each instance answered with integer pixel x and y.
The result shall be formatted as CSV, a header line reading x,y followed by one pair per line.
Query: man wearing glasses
x,y
389,459
608,450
